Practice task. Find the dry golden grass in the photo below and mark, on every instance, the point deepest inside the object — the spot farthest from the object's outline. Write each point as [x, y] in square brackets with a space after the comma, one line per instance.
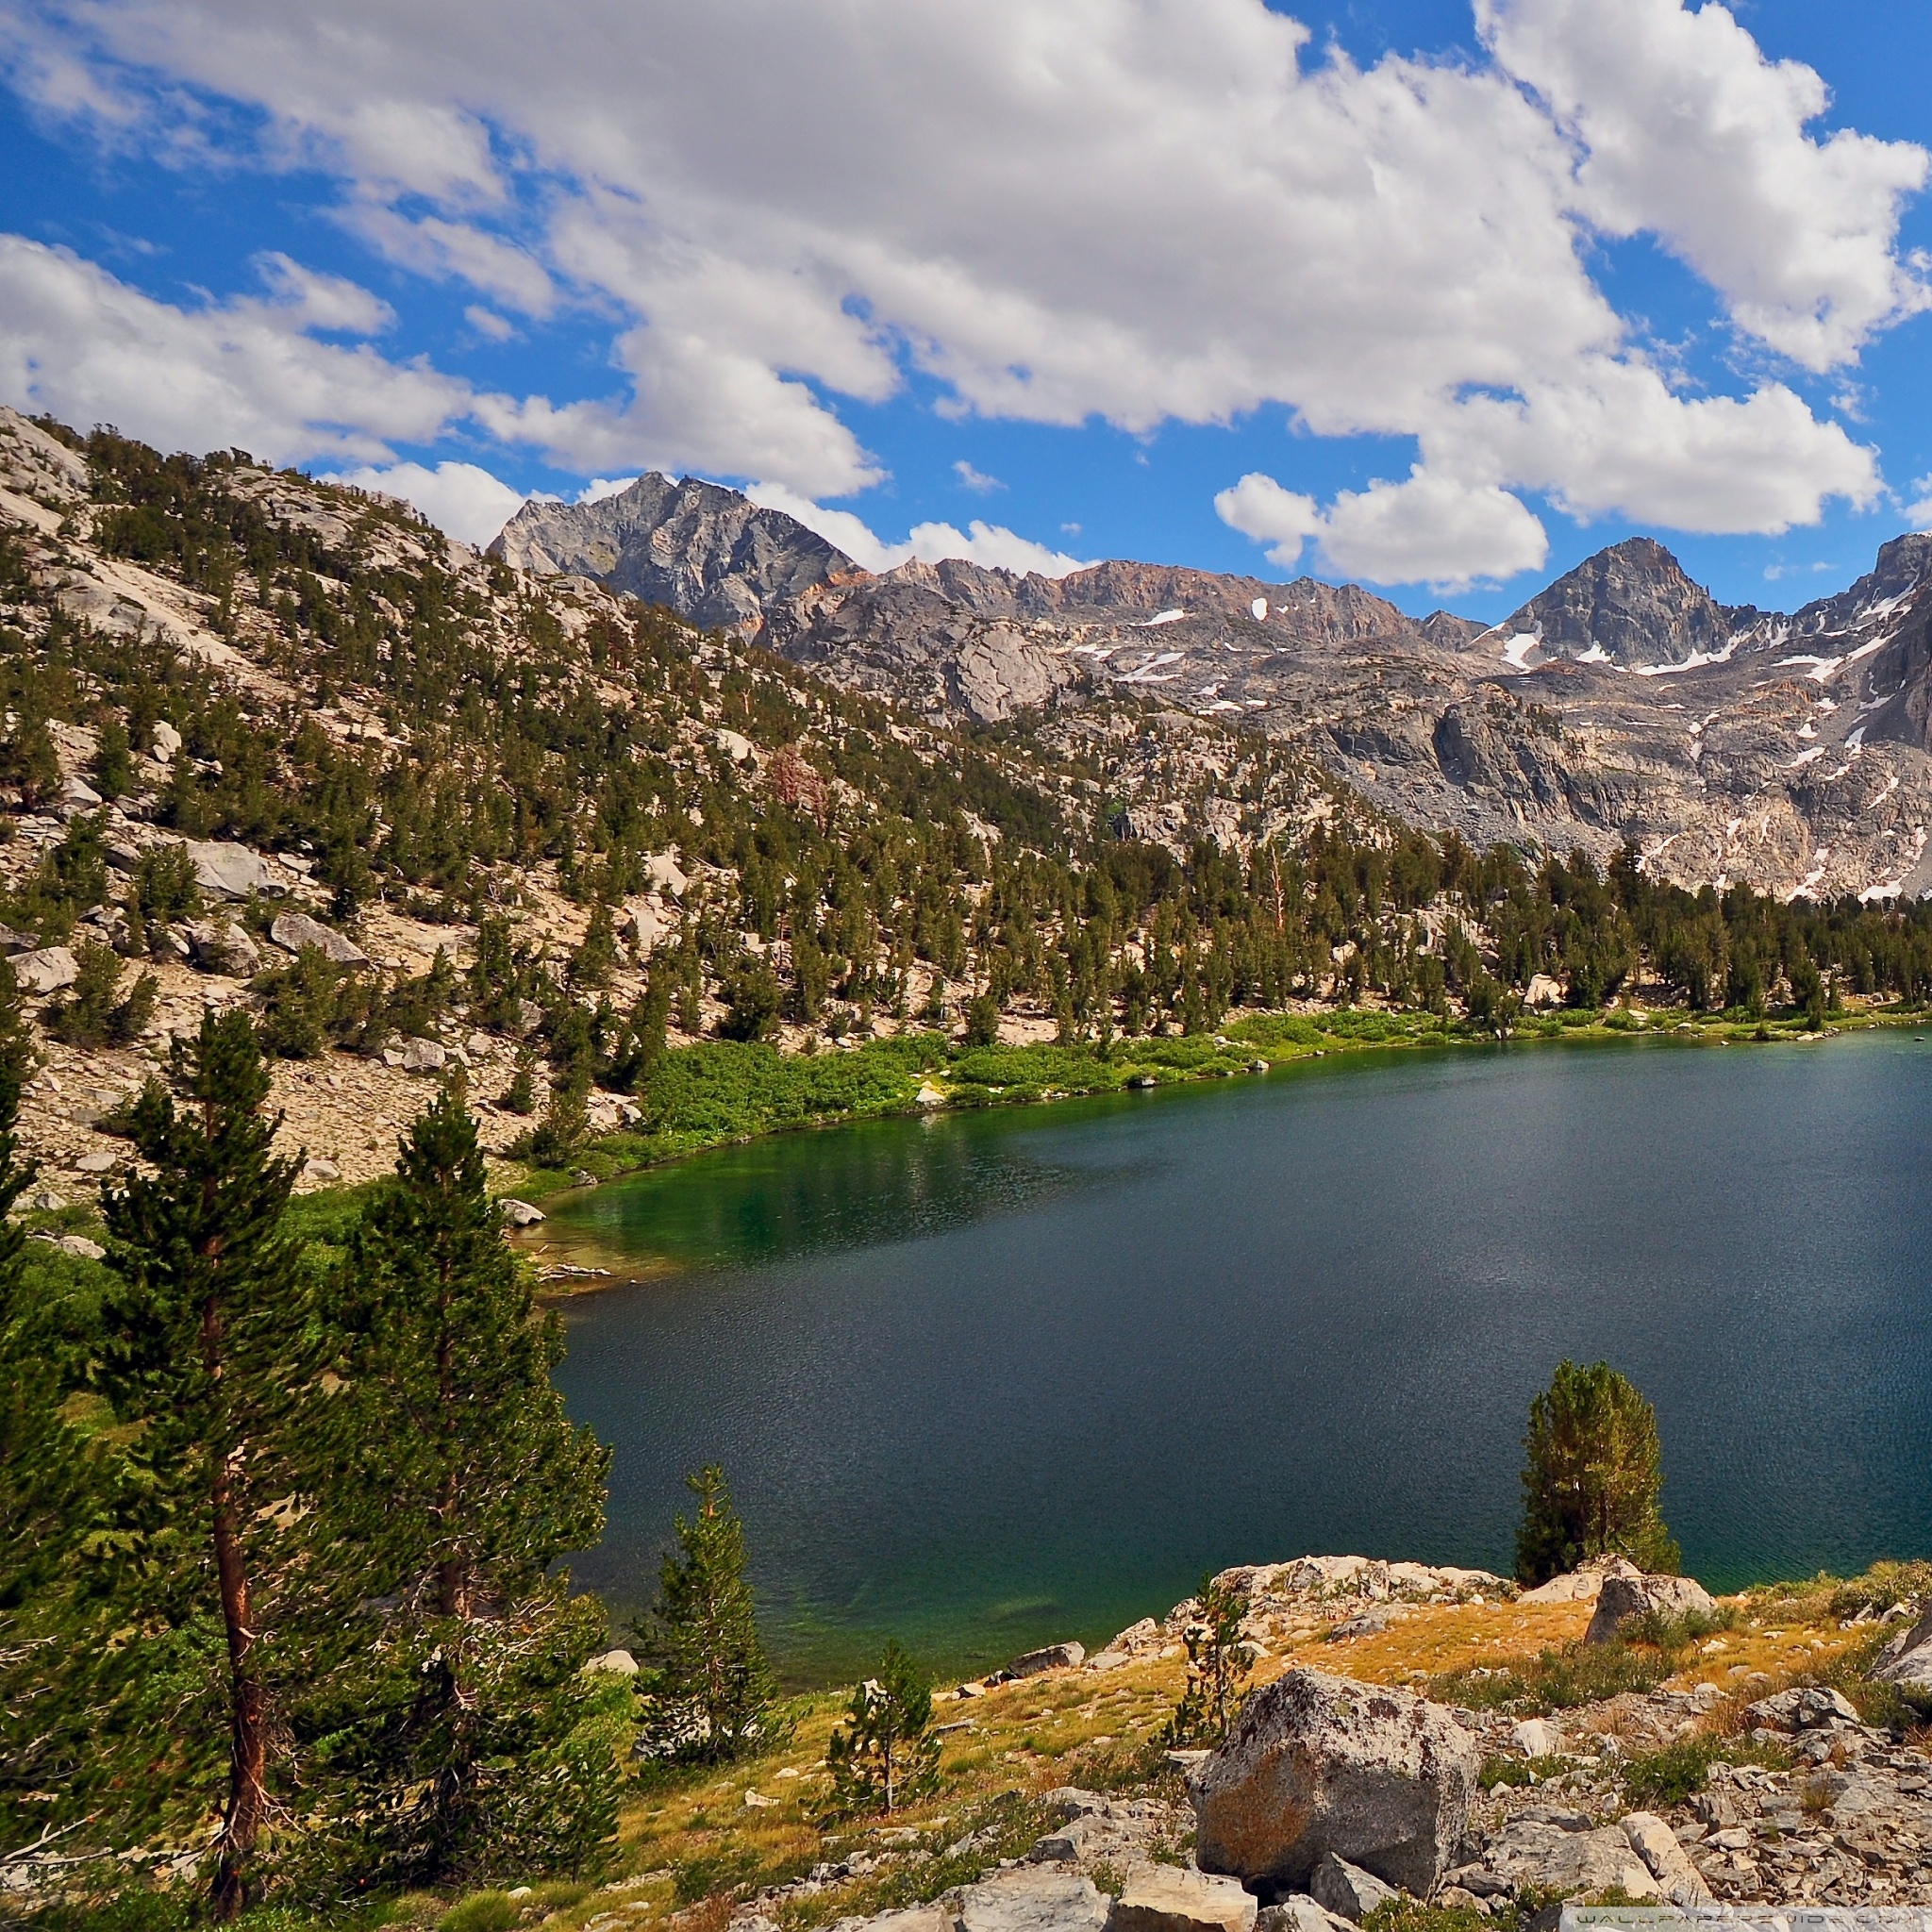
[1030, 1737]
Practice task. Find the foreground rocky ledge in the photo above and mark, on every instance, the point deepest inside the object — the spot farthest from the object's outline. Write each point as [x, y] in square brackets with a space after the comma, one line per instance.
[1335, 1796]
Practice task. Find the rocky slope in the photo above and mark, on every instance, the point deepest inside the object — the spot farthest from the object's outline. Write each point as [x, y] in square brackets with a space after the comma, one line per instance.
[1622, 703]
[323, 700]
[707, 553]
[1401, 1738]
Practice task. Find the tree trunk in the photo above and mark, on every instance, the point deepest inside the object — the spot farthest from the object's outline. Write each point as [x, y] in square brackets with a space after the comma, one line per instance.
[248, 1713]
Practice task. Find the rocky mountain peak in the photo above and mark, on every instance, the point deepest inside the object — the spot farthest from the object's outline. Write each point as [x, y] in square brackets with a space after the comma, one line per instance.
[1902, 566]
[1632, 604]
[708, 552]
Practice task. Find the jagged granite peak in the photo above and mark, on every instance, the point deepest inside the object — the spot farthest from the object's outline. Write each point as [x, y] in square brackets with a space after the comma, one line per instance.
[708, 552]
[1904, 565]
[1632, 604]
[716, 557]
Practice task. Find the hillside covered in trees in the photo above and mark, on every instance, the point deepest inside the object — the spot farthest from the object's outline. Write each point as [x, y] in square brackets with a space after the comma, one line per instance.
[275, 744]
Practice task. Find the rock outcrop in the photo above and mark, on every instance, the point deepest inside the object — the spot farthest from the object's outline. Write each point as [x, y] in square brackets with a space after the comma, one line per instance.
[1031, 1898]
[1624, 1598]
[708, 553]
[1172, 1898]
[293, 931]
[1906, 1660]
[1319, 1764]
[44, 970]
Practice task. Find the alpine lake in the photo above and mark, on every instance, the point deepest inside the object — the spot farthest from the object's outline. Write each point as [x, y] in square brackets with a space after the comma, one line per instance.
[986, 1380]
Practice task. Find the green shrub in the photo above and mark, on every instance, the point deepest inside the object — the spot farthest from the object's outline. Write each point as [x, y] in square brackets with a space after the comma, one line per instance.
[1411, 1915]
[1506, 1768]
[1661, 1778]
[1584, 1673]
[1673, 1636]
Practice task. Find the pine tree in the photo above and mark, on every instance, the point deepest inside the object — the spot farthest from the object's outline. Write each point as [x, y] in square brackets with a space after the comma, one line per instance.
[209, 1355]
[1219, 1664]
[1592, 1475]
[707, 1690]
[886, 1755]
[457, 1478]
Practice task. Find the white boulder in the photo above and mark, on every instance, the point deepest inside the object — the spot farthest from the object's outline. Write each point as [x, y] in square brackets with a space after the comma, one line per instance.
[1318, 1764]
[1624, 1598]
[46, 969]
[292, 931]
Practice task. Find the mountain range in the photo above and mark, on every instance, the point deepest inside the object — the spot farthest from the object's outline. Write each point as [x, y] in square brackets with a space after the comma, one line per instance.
[1622, 701]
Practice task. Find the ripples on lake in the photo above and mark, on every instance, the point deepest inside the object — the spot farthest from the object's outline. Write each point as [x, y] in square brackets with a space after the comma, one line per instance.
[990, 1380]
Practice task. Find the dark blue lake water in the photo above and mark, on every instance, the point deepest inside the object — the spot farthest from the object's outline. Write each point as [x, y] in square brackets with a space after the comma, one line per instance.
[992, 1379]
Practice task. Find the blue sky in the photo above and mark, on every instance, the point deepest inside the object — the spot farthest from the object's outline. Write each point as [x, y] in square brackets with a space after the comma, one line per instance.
[1462, 292]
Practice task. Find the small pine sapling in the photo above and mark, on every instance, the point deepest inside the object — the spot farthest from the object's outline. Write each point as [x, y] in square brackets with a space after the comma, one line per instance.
[885, 1756]
[1219, 1662]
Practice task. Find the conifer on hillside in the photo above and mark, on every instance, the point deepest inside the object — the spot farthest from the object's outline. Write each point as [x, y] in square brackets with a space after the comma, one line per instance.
[210, 1355]
[466, 1730]
[886, 1755]
[50, 1497]
[1592, 1473]
[707, 1690]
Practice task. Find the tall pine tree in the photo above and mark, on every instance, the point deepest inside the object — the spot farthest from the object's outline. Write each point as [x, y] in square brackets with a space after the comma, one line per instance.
[209, 1353]
[473, 1748]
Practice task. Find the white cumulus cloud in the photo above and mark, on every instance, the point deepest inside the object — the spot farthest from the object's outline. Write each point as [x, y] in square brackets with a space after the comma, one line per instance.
[244, 373]
[461, 499]
[1139, 211]
[991, 545]
[1689, 133]
[1428, 529]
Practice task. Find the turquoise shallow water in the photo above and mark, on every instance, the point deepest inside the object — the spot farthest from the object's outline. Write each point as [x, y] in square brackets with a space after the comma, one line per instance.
[997, 1378]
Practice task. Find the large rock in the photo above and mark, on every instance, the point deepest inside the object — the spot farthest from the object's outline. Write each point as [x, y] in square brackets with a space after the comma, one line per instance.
[1623, 1598]
[1905, 1661]
[1032, 1898]
[292, 931]
[1546, 1850]
[227, 870]
[1056, 1656]
[219, 945]
[46, 969]
[618, 1662]
[1319, 1763]
[1346, 1890]
[1171, 1898]
[418, 1056]
[1805, 1708]
[1583, 1585]
[1669, 1863]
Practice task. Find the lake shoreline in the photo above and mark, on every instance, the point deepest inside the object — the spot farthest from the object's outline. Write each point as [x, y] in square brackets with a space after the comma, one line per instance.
[582, 1268]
